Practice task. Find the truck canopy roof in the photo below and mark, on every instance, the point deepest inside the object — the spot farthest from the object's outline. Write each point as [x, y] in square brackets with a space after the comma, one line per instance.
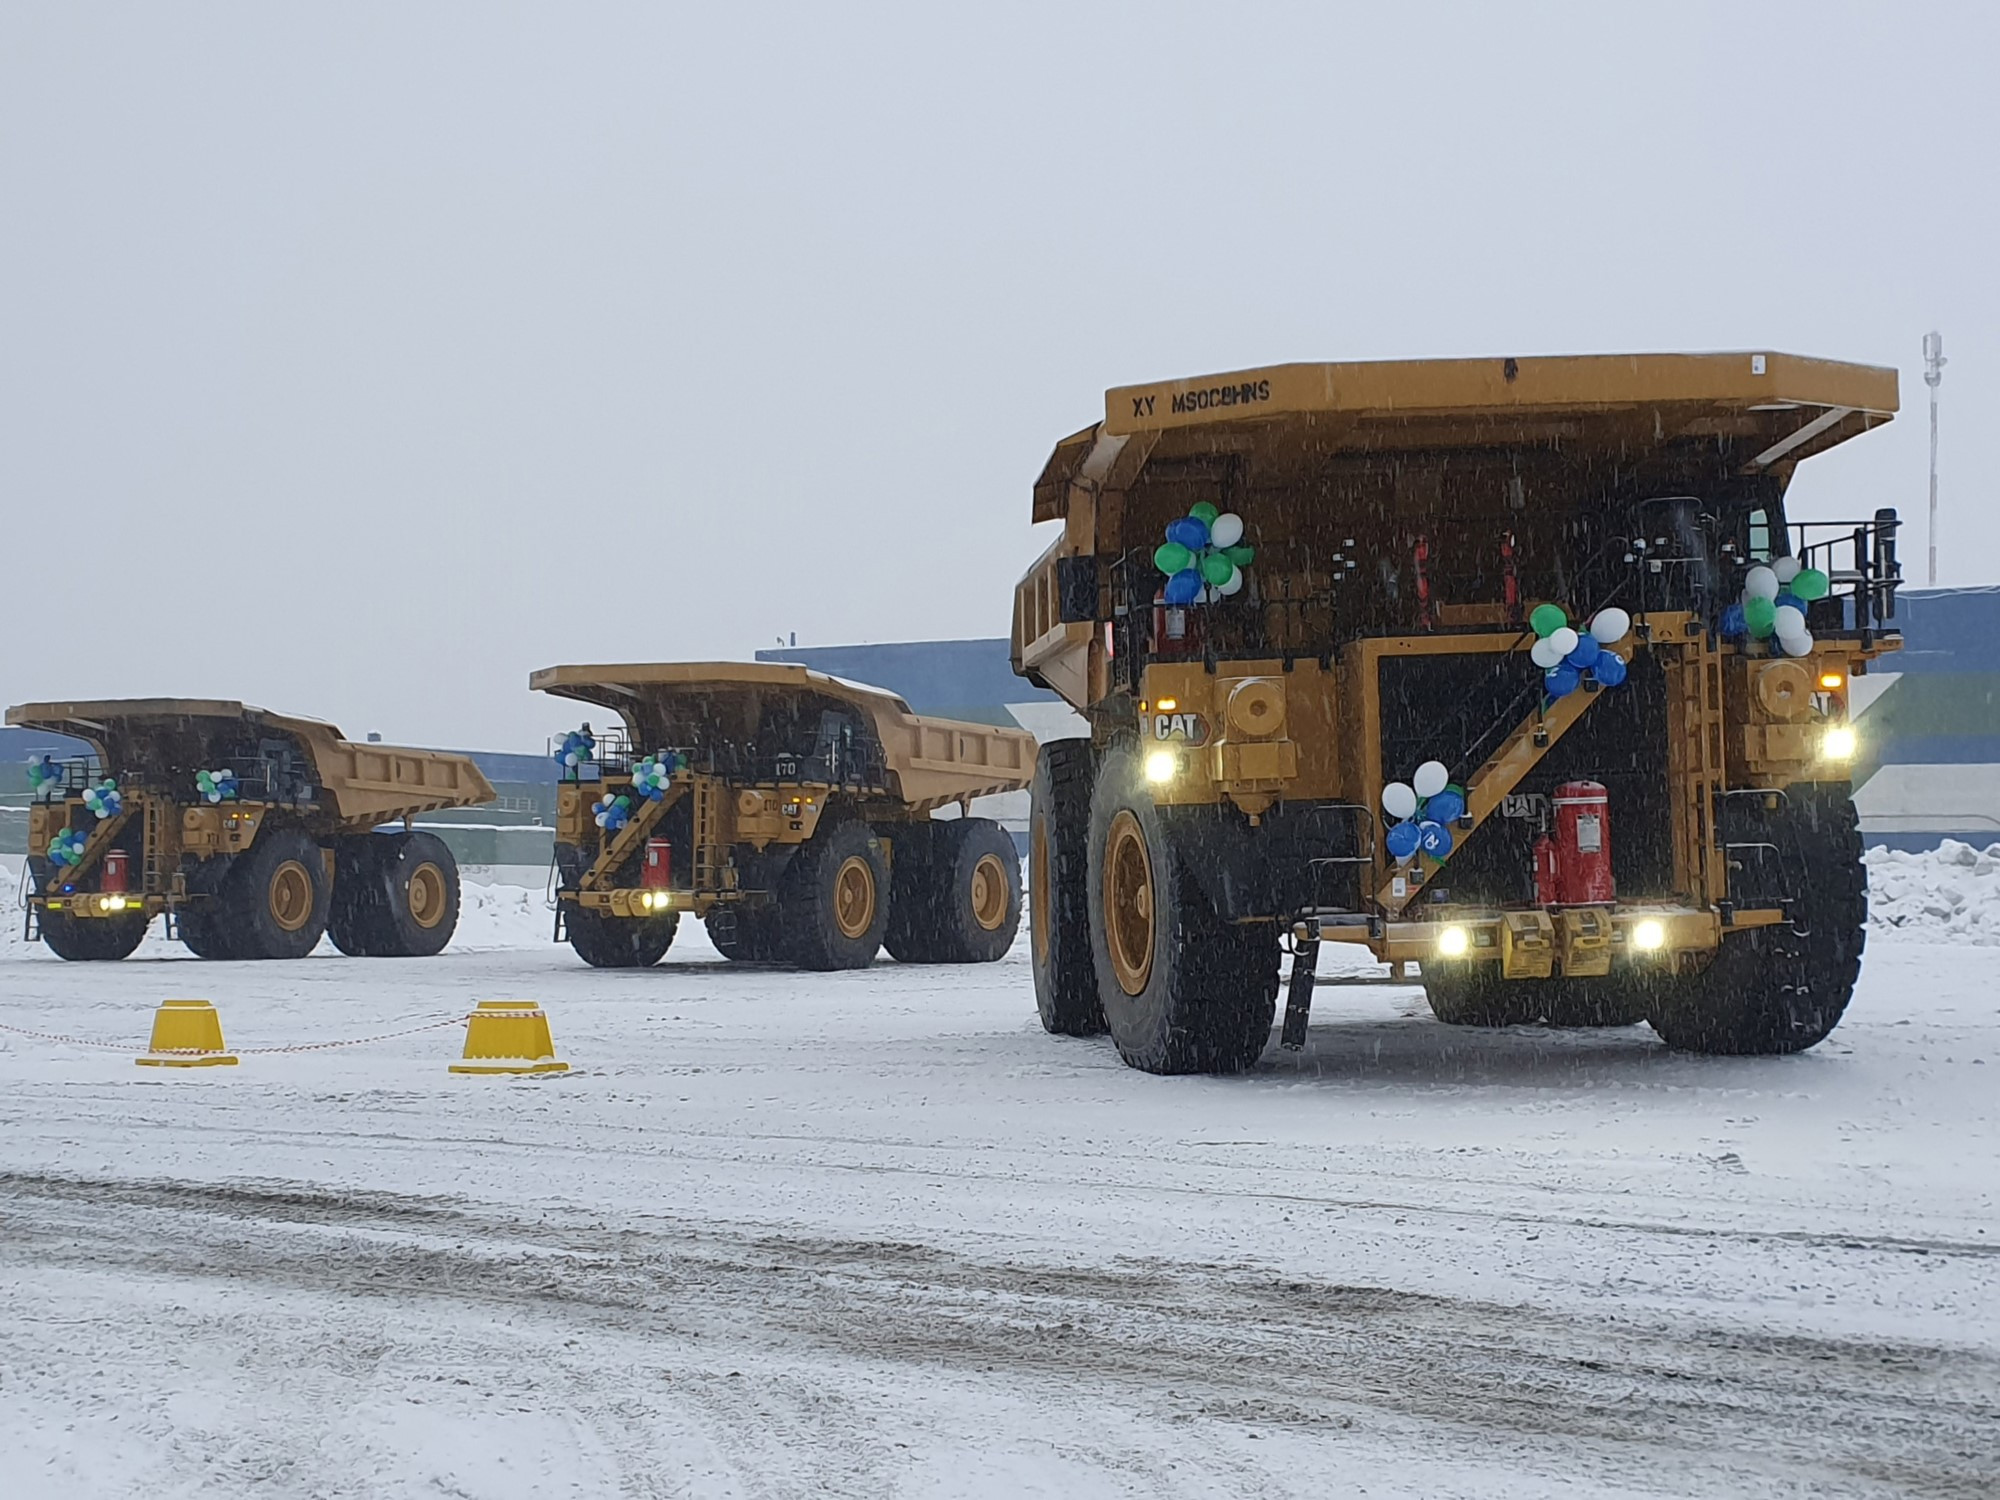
[1761, 412]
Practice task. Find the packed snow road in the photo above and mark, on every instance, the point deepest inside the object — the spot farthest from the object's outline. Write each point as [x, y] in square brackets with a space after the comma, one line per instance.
[876, 1234]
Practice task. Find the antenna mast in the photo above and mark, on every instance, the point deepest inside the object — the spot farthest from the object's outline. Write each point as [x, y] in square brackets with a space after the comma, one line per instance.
[1934, 363]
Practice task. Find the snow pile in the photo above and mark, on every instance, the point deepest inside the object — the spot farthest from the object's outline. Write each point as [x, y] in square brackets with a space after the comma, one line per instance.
[502, 916]
[1951, 892]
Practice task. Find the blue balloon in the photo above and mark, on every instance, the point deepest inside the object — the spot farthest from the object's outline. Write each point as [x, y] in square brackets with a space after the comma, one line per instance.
[1403, 839]
[1587, 649]
[1446, 807]
[1608, 669]
[1184, 587]
[1434, 839]
[1190, 531]
[1789, 598]
[1561, 680]
[1733, 626]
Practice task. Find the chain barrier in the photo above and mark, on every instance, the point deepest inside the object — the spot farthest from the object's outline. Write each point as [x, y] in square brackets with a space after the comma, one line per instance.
[456, 1018]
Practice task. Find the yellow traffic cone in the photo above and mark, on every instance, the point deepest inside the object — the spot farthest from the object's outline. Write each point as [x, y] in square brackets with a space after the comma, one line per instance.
[186, 1034]
[509, 1036]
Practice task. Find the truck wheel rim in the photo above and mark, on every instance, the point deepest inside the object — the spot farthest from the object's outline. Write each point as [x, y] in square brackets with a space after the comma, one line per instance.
[989, 892]
[427, 895]
[854, 897]
[291, 895]
[1039, 893]
[1128, 903]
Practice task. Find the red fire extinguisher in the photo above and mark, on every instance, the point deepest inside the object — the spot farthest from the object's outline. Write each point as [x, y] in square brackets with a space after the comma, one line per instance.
[115, 873]
[1176, 628]
[1583, 845]
[658, 873]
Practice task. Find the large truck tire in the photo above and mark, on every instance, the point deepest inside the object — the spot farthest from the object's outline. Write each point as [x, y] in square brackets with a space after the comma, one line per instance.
[274, 899]
[1183, 991]
[619, 942]
[354, 910]
[959, 902]
[92, 939]
[203, 931]
[1058, 890]
[1784, 988]
[834, 899]
[750, 936]
[421, 888]
[912, 933]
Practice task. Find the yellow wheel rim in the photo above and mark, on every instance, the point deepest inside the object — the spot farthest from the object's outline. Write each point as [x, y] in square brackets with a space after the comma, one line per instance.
[427, 895]
[989, 892]
[854, 897]
[1128, 903]
[291, 895]
[1039, 894]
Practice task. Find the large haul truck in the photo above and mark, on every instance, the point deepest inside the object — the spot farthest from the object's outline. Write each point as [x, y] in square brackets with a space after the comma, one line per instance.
[790, 811]
[252, 833]
[1516, 669]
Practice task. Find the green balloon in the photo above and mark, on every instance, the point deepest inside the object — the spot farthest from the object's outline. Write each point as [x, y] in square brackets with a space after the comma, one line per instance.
[1760, 616]
[1547, 620]
[1171, 557]
[1217, 569]
[1811, 584]
[624, 802]
[1241, 556]
[1203, 512]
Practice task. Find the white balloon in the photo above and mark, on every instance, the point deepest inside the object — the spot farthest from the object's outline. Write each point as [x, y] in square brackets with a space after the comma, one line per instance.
[1431, 778]
[1611, 626]
[1564, 640]
[1786, 568]
[1791, 621]
[1798, 645]
[1760, 583]
[1399, 800]
[1545, 654]
[1226, 530]
[1235, 584]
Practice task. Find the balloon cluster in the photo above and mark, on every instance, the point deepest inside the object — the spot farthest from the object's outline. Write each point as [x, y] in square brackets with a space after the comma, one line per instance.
[1424, 808]
[612, 812]
[216, 786]
[1203, 556]
[1564, 654]
[578, 750]
[651, 775]
[43, 773]
[66, 848]
[103, 799]
[1775, 596]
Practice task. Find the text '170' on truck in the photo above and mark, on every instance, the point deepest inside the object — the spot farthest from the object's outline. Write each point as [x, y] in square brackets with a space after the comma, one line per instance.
[789, 810]
[253, 833]
[1514, 668]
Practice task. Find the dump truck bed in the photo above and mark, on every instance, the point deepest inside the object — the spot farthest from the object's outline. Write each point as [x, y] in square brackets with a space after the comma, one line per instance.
[930, 762]
[364, 784]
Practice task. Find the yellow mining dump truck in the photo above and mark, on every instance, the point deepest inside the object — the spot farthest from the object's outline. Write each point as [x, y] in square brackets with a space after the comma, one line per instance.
[790, 810]
[1515, 668]
[253, 832]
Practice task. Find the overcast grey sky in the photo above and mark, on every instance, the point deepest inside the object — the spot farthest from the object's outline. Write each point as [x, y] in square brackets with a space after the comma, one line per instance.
[356, 359]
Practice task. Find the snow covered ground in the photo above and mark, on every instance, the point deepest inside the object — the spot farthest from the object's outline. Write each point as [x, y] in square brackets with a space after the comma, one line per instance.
[876, 1234]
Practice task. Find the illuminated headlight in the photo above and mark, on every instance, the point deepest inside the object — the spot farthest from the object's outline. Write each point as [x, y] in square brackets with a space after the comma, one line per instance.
[1649, 936]
[114, 903]
[1162, 765]
[656, 900]
[1453, 942]
[1839, 742]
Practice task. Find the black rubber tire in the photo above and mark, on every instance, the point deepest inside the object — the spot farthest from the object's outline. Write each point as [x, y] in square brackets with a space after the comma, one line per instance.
[1058, 890]
[619, 942]
[968, 855]
[1208, 989]
[808, 902]
[911, 934]
[92, 939]
[1782, 989]
[249, 925]
[420, 888]
[752, 938]
[1474, 994]
[202, 931]
[353, 914]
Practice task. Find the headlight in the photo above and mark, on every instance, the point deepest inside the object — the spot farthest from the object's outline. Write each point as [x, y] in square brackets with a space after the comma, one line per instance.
[1839, 742]
[1650, 935]
[114, 903]
[1453, 942]
[1162, 765]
